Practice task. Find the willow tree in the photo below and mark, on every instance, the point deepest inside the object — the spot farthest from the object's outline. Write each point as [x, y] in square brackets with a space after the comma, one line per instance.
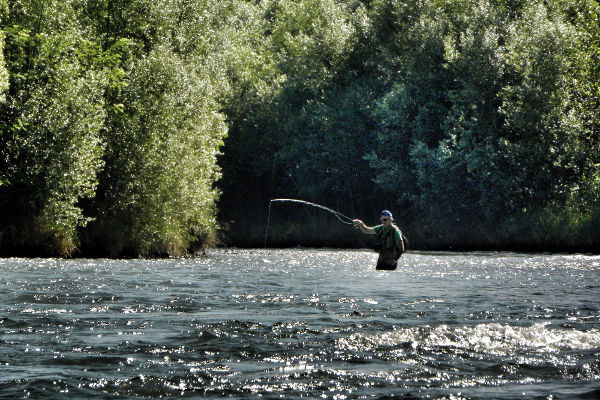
[164, 130]
[50, 126]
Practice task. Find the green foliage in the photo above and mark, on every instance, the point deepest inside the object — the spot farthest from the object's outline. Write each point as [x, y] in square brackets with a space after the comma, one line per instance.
[584, 16]
[157, 190]
[161, 159]
[485, 127]
[319, 121]
[322, 133]
[477, 121]
[51, 121]
[113, 116]
[3, 70]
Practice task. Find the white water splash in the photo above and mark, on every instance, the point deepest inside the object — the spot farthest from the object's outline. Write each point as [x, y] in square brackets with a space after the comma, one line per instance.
[491, 338]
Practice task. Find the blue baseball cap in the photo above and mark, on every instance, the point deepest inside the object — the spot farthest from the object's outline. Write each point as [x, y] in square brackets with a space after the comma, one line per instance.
[386, 213]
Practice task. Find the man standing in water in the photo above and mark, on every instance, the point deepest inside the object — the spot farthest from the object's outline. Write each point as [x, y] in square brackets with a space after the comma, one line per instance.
[389, 240]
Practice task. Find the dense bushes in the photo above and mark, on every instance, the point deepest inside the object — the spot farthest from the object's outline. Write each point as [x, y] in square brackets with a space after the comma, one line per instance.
[111, 126]
[476, 122]
[50, 131]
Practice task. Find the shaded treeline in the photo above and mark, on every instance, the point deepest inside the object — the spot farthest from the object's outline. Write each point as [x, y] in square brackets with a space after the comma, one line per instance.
[475, 122]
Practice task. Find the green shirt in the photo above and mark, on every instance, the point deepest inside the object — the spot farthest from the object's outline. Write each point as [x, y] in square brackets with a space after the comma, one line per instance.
[397, 234]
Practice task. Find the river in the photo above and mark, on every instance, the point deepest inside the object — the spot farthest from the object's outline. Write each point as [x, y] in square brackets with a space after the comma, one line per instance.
[302, 323]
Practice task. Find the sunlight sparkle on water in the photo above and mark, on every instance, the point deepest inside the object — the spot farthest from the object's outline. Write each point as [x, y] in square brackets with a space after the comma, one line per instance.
[302, 323]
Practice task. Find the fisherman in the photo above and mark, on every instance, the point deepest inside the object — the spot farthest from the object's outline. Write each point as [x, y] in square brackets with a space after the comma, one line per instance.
[389, 242]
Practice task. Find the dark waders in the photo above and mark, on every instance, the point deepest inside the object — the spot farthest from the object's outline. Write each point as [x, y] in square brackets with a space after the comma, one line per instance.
[388, 252]
[387, 260]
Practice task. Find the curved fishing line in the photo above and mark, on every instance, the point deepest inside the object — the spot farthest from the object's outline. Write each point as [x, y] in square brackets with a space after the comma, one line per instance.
[341, 217]
[344, 219]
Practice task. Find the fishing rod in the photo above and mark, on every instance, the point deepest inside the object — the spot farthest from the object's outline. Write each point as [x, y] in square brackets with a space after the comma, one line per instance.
[341, 217]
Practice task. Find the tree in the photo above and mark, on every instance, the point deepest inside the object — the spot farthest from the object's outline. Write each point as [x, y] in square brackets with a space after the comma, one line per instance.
[3, 71]
[50, 127]
[156, 194]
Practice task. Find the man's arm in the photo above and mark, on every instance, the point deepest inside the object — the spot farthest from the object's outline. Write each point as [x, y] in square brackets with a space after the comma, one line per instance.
[365, 229]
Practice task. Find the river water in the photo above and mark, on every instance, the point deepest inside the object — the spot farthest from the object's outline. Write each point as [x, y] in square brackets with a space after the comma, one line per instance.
[302, 323]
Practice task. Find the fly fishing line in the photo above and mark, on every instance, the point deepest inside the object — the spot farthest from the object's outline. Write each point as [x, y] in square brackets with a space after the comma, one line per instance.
[341, 217]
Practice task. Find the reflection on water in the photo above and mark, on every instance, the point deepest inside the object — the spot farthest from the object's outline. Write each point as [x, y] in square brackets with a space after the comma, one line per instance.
[293, 323]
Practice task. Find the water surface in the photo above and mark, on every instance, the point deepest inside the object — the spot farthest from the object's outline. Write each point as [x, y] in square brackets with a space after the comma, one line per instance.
[302, 323]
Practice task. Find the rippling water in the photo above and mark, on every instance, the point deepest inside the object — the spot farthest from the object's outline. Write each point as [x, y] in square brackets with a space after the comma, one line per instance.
[302, 323]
